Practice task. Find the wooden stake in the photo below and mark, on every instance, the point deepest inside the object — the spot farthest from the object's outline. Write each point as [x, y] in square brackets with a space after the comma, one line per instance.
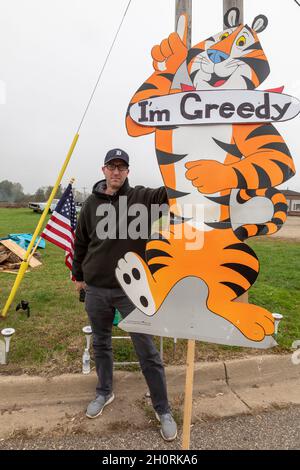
[34, 249]
[185, 7]
[188, 396]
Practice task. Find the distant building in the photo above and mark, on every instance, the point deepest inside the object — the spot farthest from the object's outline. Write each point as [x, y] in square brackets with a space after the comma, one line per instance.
[293, 200]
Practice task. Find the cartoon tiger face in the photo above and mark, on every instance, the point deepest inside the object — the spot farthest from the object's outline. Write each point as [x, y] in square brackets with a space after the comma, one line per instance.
[231, 59]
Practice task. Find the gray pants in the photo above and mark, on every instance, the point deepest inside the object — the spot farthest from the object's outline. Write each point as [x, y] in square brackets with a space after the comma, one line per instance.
[100, 305]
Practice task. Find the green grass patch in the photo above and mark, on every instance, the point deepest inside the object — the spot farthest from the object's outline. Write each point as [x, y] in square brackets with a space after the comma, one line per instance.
[278, 284]
[51, 341]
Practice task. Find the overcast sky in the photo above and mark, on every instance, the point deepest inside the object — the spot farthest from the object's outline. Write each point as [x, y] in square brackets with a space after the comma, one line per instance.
[51, 52]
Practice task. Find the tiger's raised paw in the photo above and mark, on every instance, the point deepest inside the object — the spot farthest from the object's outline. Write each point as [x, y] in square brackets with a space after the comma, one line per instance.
[131, 272]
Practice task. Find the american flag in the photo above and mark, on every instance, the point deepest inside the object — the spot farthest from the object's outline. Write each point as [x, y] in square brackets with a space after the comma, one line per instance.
[61, 226]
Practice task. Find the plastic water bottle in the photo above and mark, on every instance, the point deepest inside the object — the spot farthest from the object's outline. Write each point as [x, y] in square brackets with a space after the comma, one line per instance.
[86, 367]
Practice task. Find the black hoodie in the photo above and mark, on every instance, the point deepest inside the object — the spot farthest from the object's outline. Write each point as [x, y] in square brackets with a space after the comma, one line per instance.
[95, 259]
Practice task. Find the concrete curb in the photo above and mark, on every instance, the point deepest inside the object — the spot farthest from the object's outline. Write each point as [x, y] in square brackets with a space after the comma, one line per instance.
[221, 389]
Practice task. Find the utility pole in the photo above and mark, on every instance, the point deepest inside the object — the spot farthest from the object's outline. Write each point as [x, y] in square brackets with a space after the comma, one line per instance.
[84, 193]
[185, 7]
[227, 4]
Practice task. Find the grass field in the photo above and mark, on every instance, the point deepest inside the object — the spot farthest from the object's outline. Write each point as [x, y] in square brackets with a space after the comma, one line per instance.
[50, 341]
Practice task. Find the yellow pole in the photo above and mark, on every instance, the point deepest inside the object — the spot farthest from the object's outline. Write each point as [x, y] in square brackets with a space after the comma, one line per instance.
[24, 264]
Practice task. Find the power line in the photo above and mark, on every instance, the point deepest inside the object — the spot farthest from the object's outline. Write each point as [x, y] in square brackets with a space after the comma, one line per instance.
[103, 67]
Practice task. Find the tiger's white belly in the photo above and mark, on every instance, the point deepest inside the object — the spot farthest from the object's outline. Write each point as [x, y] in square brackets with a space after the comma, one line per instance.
[197, 142]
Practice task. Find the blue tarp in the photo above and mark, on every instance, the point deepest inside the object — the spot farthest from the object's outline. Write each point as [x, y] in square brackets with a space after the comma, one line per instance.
[23, 239]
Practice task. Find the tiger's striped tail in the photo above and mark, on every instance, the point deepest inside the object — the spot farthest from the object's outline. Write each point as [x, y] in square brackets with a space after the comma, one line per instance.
[268, 228]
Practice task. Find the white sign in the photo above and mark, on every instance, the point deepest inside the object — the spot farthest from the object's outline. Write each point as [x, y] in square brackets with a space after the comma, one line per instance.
[198, 322]
[215, 107]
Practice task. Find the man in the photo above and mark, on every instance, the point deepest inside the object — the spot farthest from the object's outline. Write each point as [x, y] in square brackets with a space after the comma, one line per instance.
[97, 252]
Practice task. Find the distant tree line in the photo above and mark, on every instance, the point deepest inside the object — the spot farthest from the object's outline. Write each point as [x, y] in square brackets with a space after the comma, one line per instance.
[13, 192]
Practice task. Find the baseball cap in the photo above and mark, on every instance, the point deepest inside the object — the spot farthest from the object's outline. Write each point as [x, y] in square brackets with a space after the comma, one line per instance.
[116, 153]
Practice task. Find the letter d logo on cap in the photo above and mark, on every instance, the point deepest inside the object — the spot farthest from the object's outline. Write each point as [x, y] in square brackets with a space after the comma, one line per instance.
[118, 152]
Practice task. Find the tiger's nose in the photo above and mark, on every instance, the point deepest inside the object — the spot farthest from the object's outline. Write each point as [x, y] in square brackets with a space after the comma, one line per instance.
[216, 56]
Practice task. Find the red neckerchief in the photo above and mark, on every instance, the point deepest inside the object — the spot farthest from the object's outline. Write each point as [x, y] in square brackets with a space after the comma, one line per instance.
[185, 87]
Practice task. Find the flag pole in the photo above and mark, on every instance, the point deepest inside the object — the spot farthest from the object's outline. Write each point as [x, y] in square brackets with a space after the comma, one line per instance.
[25, 262]
[72, 181]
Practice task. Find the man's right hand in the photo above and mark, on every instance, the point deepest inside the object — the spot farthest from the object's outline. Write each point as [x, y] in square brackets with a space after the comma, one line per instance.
[80, 285]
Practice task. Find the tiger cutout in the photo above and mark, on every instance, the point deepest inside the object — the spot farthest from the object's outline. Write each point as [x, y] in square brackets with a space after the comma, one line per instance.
[240, 162]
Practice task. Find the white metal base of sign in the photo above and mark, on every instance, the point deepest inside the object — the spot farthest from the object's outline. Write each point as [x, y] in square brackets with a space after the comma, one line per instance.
[182, 316]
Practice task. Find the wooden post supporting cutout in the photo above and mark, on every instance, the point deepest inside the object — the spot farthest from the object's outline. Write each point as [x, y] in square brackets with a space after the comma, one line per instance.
[185, 6]
[188, 395]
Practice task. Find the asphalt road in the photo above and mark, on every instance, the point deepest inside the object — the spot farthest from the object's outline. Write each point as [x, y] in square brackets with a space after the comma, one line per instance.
[277, 429]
